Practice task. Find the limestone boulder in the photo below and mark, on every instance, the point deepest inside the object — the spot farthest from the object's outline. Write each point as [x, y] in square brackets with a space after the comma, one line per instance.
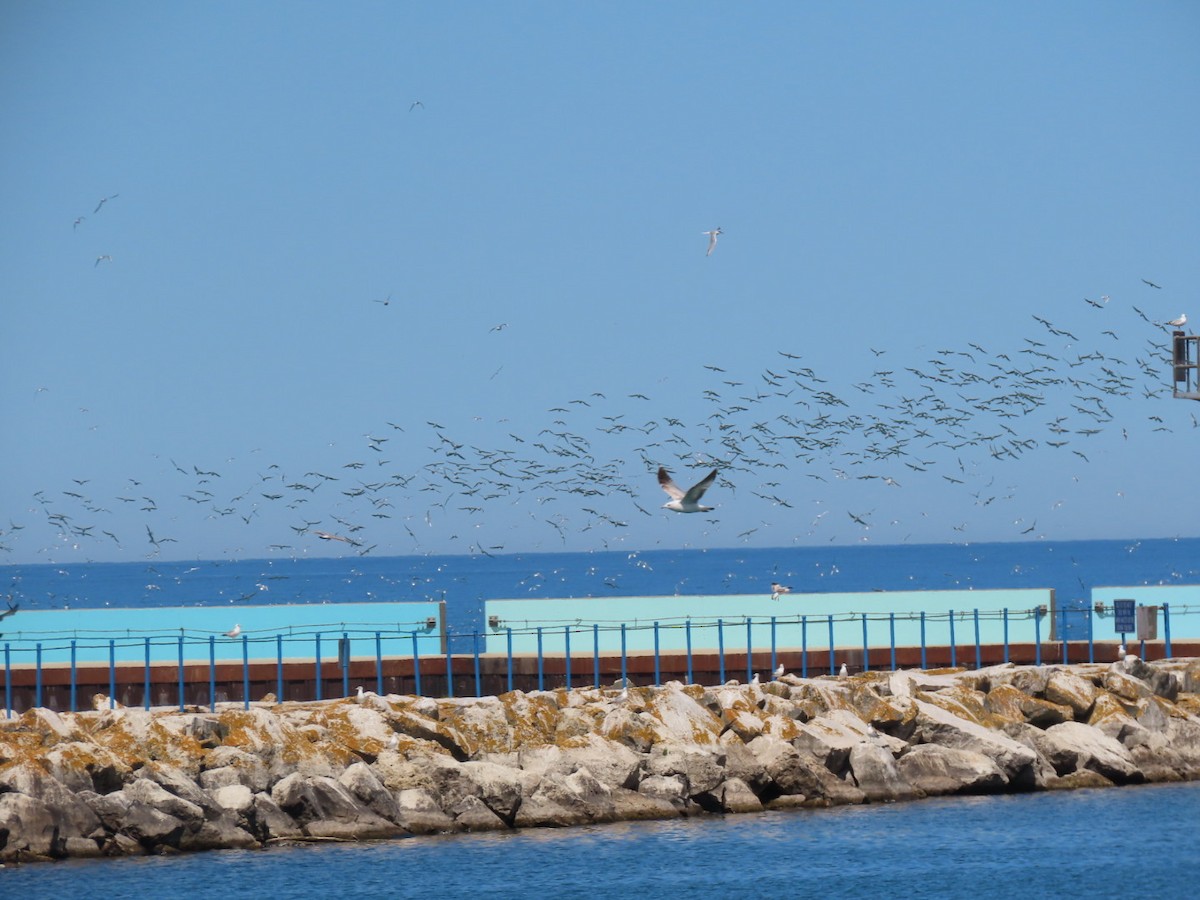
[875, 772]
[1073, 746]
[935, 725]
[420, 813]
[702, 767]
[1160, 681]
[936, 770]
[1068, 689]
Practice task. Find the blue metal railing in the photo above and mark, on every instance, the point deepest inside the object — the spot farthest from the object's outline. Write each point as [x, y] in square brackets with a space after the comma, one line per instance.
[38, 651]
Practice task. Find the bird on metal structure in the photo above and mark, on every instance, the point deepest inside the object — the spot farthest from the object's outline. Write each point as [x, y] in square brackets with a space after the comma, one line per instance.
[1180, 322]
[234, 631]
[712, 239]
[685, 501]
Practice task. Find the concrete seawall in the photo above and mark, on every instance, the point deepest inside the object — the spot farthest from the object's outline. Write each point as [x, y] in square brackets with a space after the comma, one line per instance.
[130, 781]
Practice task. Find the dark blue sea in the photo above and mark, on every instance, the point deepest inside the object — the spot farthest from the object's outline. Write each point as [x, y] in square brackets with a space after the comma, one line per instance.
[1071, 568]
[1077, 844]
[1114, 842]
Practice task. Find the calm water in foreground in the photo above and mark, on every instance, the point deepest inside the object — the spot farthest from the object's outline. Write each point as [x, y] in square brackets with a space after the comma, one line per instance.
[1132, 841]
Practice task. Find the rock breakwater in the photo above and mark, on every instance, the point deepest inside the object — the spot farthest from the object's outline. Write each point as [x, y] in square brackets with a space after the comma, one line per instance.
[130, 781]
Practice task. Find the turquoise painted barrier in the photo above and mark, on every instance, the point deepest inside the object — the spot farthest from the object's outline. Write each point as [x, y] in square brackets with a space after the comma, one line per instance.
[735, 621]
[127, 635]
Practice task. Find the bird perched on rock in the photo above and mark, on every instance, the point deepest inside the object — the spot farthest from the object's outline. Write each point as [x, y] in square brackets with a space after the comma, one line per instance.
[778, 590]
[685, 501]
[779, 670]
[843, 672]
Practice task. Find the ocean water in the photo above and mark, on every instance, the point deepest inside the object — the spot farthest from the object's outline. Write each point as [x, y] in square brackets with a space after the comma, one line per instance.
[1128, 841]
[1071, 568]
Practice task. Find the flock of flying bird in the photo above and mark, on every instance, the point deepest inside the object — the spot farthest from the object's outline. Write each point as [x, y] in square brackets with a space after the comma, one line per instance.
[784, 434]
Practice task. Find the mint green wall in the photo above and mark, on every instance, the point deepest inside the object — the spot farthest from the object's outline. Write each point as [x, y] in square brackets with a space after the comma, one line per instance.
[640, 613]
[92, 629]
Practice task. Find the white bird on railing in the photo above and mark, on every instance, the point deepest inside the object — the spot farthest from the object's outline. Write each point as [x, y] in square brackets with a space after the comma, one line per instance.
[234, 631]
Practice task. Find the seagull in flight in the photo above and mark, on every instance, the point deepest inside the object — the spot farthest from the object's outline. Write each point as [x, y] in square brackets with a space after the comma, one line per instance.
[234, 631]
[415, 104]
[1180, 322]
[104, 200]
[685, 501]
[778, 590]
[712, 239]
[1152, 284]
[326, 536]
[100, 259]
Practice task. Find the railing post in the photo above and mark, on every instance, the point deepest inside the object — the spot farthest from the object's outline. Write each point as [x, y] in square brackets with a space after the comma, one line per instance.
[182, 688]
[804, 646]
[74, 704]
[687, 635]
[1091, 639]
[212, 673]
[1166, 608]
[245, 671]
[37, 692]
[978, 649]
[567, 653]
[344, 662]
[774, 665]
[450, 665]
[596, 654]
[8, 710]
[279, 698]
[721, 650]
[1006, 634]
[417, 664]
[379, 664]
[478, 674]
[624, 677]
[866, 646]
[749, 653]
[1037, 636]
[112, 674]
[320, 687]
[541, 675]
[832, 660]
[924, 659]
[508, 632]
[146, 686]
[657, 668]
[1062, 630]
[892, 637]
[953, 644]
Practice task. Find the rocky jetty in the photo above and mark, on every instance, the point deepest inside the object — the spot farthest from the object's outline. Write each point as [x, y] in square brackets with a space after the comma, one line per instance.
[131, 781]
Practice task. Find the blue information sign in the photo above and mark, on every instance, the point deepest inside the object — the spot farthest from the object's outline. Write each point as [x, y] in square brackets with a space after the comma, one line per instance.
[1123, 616]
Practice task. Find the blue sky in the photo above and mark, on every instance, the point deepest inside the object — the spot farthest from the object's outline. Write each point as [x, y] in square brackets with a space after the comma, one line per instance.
[894, 182]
